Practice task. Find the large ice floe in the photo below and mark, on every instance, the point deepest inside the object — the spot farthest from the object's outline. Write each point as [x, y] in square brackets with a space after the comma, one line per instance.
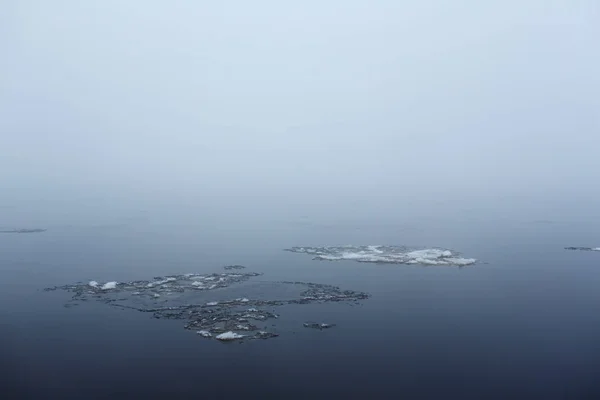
[223, 306]
[583, 248]
[386, 254]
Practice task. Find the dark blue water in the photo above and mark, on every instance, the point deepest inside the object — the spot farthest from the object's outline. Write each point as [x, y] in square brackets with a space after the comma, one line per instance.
[525, 323]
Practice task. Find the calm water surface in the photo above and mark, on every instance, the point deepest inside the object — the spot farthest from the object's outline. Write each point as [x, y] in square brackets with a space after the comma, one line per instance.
[525, 323]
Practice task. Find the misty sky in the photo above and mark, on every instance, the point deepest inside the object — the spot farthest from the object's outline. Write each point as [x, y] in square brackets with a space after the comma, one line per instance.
[356, 104]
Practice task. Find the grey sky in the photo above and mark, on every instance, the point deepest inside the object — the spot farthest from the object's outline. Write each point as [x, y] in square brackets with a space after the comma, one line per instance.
[391, 102]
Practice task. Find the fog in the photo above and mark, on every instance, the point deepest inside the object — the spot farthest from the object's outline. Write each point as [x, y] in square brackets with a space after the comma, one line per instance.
[268, 109]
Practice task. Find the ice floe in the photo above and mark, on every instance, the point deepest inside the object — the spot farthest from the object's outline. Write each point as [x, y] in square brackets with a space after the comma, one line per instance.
[583, 248]
[212, 313]
[386, 254]
[36, 230]
[234, 267]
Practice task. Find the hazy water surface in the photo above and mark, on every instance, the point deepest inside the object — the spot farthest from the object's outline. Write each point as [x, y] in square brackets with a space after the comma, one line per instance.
[525, 321]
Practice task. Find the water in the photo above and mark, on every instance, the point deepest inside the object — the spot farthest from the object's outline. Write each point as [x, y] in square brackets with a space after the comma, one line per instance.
[523, 323]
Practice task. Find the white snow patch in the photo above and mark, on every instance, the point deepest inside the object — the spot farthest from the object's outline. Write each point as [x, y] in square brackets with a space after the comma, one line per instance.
[229, 336]
[243, 300]
[93, 284]
[109, 285]
[252, 310]
[596, 249]
[212, 303]
[205, 334]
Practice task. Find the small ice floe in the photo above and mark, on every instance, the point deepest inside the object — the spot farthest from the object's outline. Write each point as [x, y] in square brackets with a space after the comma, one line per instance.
[315, 325]
[156, 295]
[212, 287]
[242, 300]
[583, 248]
[205, 334]
[37, 230]
[252, 310]
[109, 285]
[93, 284]
[212, 303]
[234, 267]
[198, 284]
[227, 336]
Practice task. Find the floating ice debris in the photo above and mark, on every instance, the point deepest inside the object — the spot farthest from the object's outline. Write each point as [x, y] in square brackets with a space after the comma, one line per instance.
[24, 231]
[93, 284]
[315, 325]
[243, 327]
[265, 335]
[205, 334]
[583, 248]
[218, 315]
[386, 254]
[109, 286]
[234, 267]
[229, 336]
[161, 282]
